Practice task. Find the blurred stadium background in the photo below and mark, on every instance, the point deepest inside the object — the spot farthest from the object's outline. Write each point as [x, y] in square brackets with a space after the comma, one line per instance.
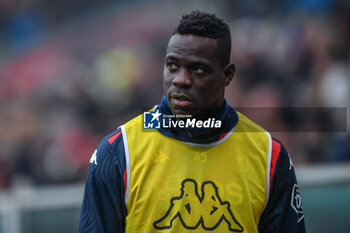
[72, 71]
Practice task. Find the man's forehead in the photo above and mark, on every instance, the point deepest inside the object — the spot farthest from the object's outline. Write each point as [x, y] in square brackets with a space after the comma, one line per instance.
[189, 45]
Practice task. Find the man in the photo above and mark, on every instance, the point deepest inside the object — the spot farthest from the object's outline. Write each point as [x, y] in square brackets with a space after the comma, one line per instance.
[215, 171]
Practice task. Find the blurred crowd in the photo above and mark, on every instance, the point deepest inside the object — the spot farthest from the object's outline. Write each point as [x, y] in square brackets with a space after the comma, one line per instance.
[73, 71]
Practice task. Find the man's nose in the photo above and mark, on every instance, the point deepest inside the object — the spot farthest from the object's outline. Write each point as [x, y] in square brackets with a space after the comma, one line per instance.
[182, 79]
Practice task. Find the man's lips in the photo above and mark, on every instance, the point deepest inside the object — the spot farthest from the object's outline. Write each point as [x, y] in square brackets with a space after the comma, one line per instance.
[180, 100]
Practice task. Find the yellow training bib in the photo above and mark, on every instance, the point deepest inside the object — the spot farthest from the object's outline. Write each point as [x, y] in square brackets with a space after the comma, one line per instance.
[174, 186]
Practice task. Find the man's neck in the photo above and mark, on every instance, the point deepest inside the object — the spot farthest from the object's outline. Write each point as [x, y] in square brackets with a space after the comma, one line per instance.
[226, 114]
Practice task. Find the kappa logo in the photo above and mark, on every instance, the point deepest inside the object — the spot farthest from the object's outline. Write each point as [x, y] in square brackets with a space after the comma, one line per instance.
[94, 158]
[194, 210]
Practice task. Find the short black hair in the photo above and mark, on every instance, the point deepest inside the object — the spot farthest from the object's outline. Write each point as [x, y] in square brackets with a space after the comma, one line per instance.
[207, 25]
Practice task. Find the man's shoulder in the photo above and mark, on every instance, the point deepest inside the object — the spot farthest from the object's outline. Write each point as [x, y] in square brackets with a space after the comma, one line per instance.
[108, 139]
[110, 142]
[141, 123]
[246, 125]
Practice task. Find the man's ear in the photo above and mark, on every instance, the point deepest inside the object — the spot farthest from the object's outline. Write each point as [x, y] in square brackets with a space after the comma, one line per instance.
[229, 71]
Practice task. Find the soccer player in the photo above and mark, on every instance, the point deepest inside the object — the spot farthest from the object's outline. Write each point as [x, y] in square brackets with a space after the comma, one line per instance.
[192, 175]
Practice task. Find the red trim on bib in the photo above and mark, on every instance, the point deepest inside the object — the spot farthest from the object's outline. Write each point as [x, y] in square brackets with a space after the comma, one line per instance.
[124, 176]
[222, 135]
[112, 139]
[276, 149]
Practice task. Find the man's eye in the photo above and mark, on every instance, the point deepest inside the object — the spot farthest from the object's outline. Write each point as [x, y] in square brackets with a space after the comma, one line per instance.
[172, 66]
[199, 70]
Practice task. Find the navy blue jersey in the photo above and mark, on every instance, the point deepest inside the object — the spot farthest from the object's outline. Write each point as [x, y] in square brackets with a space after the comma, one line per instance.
[104, 205]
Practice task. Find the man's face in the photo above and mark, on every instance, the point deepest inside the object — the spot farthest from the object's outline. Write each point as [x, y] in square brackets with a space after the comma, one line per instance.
[193, 76]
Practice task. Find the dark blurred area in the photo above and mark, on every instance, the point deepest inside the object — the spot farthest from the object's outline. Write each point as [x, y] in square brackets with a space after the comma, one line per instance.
[73, 71]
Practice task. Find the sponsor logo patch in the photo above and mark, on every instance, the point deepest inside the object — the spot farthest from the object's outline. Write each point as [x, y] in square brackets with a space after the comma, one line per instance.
[296, 203]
